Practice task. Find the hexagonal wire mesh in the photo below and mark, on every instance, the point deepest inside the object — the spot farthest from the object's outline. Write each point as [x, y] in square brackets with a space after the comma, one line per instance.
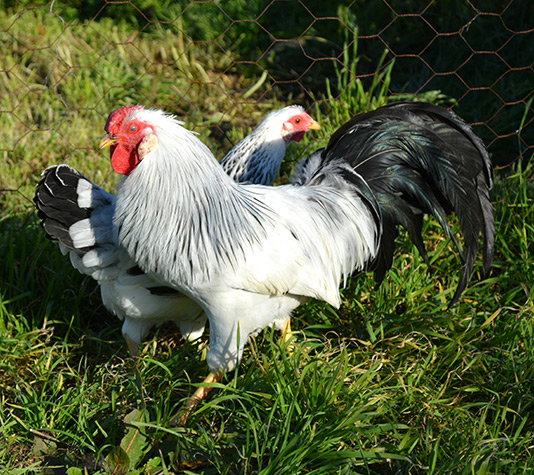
[64, 66]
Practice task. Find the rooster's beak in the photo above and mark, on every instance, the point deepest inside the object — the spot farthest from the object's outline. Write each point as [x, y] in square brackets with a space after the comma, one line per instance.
[314, 125]
[108, 140]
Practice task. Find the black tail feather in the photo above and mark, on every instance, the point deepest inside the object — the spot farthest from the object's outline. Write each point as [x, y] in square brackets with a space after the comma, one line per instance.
[56, 198]
[419, 159]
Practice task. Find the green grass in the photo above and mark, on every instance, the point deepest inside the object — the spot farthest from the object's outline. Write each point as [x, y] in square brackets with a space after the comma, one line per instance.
[393, 382]
[59, 82]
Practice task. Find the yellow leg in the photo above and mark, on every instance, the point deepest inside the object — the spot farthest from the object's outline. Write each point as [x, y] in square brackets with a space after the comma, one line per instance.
[198, 395]
[287, 334]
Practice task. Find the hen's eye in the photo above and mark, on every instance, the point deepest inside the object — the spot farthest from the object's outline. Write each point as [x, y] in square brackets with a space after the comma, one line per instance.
[132, 128]
[297, 121]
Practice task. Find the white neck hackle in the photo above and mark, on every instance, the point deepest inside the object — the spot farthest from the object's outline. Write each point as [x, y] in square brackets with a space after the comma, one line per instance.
[257, 157]
[179, 198]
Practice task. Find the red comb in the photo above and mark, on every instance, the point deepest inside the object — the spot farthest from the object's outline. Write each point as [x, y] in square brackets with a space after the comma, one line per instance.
[118, 115]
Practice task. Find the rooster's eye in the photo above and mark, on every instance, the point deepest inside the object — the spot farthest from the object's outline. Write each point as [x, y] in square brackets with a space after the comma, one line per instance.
[132, 128]
[297, 121]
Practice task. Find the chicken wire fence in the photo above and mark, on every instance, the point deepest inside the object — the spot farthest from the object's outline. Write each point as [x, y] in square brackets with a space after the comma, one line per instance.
[212, 59]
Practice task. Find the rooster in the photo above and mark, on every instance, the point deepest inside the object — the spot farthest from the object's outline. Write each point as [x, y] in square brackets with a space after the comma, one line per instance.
[250, 254]
[79, 216]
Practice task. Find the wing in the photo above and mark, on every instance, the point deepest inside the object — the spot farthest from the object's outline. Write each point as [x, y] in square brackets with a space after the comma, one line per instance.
[314, 237]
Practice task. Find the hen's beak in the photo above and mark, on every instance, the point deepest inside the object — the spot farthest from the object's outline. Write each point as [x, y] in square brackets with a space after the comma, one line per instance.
[108, 140]
[314, 125]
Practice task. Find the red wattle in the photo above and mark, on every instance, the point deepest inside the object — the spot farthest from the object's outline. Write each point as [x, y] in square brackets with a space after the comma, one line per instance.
[123, 160]
[297, 137]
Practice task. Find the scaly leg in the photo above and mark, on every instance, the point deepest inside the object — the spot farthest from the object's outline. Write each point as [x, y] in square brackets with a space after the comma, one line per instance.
[198, 395]
[287, 334]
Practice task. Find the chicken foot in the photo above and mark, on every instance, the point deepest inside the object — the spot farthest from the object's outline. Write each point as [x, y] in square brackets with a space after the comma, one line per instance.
[196, 397]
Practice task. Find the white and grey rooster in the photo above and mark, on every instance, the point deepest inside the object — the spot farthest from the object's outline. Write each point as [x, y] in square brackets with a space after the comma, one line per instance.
[79, 216]
[250, 254]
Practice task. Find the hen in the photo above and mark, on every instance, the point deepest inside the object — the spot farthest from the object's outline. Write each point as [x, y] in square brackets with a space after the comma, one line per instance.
[249, 254]
[78, 215]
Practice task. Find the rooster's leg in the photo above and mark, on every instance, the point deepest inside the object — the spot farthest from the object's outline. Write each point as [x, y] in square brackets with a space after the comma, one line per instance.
[198, 395]
[287, 335]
